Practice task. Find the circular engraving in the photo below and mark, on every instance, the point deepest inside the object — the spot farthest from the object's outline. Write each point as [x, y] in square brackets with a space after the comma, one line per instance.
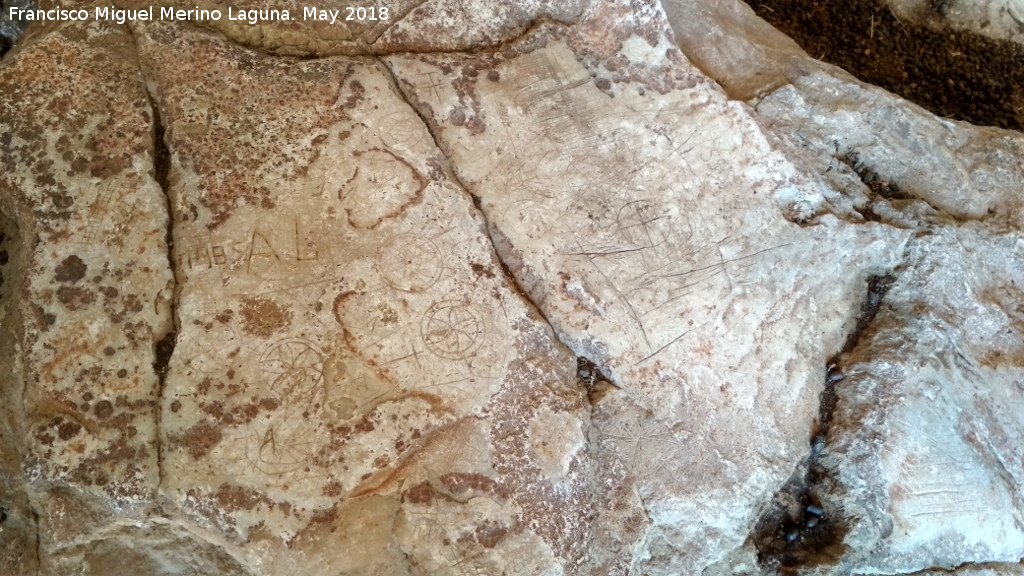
[409, 262]
[451, 329]
[644, 223]
[295, 368]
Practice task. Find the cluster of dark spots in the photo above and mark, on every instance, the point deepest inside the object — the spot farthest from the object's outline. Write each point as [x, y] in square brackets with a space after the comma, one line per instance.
[263, 318]
[199, 439]
[233, 498]
[954, 74]
[96, 469]
[70, 269]
[75, 297]
[481, 270]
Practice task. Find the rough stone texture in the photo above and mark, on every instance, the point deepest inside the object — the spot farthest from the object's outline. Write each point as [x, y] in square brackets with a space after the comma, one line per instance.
[999, 19]
[392, 26]
[630, 238]
[352, 365]
[929, 422]
[86, 283]
[790, 303]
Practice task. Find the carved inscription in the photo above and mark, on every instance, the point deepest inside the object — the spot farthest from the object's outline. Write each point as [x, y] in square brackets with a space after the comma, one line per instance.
[257, 251]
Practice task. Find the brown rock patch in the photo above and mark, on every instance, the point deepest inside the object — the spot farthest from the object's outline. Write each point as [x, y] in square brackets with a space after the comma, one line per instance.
[262, 317]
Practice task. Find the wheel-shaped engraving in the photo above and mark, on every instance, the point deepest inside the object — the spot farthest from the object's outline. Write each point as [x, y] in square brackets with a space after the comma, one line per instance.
[294, 367]
[409, 262]
[451, 329]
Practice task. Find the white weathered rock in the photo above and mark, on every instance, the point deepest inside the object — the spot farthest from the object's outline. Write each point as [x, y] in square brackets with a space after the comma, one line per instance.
[921, 456]
[998, 19]
[641, 211]
[925, 444]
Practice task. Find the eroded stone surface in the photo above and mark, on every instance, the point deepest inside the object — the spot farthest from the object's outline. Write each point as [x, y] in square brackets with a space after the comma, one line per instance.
[86, 286]
[617, 206]
[358, 387]
[928, 425]
[927, 408]
[334, 27]
[352, 366]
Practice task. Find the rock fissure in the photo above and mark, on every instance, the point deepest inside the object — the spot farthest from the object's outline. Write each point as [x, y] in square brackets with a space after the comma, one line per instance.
[509, 276]
[804, 525]
[883, 190]
[37, 548]
[164, 346]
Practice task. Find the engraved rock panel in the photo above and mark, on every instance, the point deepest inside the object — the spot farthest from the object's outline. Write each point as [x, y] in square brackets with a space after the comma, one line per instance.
[353, 369]
[346, 28]
[644, 214]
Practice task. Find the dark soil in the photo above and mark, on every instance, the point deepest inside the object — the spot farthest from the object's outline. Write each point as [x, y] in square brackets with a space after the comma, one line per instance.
[952, 73]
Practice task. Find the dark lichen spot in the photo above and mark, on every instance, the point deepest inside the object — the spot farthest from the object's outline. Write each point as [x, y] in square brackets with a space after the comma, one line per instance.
[67, 429]
[201, 438]
[163, 351]
[71, 269]
[482, 270]
[263, 318]
[104, 409]
[74, 297]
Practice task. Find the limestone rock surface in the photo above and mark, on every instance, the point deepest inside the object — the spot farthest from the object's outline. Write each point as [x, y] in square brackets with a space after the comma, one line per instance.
[999, 19]
[605, 287]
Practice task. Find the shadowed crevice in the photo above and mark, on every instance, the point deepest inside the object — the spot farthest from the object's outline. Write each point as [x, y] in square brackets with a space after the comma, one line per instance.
[164, 344]
[804, 526]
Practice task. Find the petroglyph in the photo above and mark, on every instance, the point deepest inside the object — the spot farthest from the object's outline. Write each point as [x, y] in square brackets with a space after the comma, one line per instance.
[451, 329]
[409, 262]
